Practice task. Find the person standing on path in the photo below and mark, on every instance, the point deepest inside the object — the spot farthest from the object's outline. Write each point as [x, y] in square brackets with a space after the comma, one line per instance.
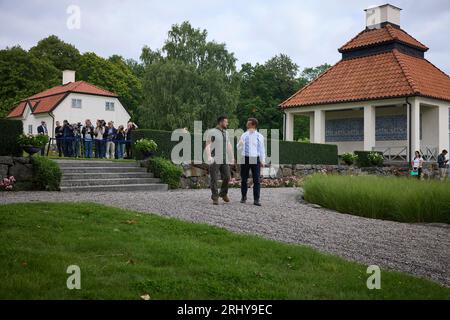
[253, 153]
[219, 152]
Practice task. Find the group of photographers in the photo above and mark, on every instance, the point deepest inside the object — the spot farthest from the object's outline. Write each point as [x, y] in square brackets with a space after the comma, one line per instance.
[102, 141]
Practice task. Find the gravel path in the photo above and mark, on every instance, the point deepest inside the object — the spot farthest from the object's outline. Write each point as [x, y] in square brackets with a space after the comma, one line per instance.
[423, 250]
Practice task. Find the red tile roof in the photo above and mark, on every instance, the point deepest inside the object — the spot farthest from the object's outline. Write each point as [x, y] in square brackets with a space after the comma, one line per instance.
[386, 75]
[47, 100]
[370, 37]
[78, 87]
[18, 110]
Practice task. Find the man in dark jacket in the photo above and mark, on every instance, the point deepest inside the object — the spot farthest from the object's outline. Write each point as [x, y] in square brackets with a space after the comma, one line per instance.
[59, 138]
[42, 130]
[442, 164]
[68, 139]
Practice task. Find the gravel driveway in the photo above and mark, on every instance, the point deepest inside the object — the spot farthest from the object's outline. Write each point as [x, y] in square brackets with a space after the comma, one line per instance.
[423, 250]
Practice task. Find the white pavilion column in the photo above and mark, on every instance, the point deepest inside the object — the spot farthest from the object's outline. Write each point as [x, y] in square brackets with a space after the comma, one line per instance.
[289, 126]
[319, 126]
[311, 127]
[415, 125]
[443, 128]
[369, 127]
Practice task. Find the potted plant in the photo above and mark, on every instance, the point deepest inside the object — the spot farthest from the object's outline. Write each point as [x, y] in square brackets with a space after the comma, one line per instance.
[349, 158]
[32, 144]
[146, 146]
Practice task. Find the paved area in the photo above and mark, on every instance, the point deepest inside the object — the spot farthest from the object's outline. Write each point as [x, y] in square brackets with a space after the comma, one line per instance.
[423, 250]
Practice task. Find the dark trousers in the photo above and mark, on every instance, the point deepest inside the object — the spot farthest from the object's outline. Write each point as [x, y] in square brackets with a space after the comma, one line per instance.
[225, 175]
[98, 148]
[128, 148]
[68, 147]
[253, 165]
[60, 146]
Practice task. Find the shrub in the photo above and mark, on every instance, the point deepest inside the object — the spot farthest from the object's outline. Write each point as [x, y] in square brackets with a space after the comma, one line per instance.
[144, 145]
[375, 158]
[290, 152]
[46, 174]
[349, 158]
[167, 171]
[379, 197]
[9, 145]
[364, 160]
[38, 141]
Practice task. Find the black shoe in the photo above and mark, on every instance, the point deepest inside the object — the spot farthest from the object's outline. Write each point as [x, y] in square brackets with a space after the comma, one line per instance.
[243, 199]
[257, 203]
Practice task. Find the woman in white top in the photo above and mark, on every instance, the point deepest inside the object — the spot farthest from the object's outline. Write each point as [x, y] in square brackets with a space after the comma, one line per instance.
[417, 164]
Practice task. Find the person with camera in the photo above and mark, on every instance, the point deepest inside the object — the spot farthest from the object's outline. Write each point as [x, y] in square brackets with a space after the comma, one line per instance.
[88, 137]
[68, 137]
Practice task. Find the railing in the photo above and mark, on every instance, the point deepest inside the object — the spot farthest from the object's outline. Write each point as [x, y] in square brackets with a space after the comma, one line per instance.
[52, 144]
[430, 153]
[393, 154]
[400, 154]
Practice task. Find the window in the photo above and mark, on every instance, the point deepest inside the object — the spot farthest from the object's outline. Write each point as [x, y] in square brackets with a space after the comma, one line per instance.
[30, 129]
[109, 106]
[76, 103]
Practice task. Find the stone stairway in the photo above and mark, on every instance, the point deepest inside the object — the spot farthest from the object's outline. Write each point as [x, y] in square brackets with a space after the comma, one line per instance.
[105, 176]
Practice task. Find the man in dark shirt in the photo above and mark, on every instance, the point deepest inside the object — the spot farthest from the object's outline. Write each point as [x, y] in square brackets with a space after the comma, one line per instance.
[68, 139]
[220, 155]
[42, 130]
[443, 164]
[59, 138]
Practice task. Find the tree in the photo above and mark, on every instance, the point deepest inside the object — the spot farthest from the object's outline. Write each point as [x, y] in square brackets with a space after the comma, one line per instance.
[112, 74]
[189, 78]
[263, 88]
[22, 75]
[62, 55]
[301, 123]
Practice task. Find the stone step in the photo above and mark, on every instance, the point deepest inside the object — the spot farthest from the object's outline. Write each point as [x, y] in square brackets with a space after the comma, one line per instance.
[94, 170]
[107, 175]
[94, 163]
[106, 182]
[123, 187]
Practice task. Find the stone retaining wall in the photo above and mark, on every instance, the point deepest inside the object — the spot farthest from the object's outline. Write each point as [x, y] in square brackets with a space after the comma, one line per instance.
[20, 168]
[196, 175]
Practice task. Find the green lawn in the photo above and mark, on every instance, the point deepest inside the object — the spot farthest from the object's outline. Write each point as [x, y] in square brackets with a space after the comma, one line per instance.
[125, 254]
[389, 198]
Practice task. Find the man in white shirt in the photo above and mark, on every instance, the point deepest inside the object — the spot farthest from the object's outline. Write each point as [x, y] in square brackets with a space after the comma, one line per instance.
[252, 150]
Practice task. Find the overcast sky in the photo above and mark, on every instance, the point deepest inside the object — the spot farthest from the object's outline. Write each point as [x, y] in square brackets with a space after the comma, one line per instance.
[308, 31]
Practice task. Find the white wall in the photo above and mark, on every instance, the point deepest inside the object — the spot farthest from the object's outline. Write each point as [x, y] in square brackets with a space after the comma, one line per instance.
[35, 121]
[93, 108]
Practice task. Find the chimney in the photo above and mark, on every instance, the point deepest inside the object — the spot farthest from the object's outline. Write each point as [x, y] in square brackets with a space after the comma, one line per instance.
[378, 16]
[68, 76]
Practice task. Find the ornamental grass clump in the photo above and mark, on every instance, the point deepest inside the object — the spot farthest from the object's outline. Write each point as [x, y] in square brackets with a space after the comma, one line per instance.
[388, 198]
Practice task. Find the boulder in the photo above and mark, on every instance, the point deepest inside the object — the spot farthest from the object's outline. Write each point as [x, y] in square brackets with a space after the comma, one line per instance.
[3, 171]
[21, 172]
[6, 161]
[194, 172]
[22, 160]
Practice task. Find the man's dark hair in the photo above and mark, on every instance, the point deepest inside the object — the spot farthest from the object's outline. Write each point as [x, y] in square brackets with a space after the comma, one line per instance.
[444, 151]
[221, 118]
[254, 121]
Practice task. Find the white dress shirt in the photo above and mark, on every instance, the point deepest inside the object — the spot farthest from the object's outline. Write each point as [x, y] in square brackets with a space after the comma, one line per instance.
[251, 144]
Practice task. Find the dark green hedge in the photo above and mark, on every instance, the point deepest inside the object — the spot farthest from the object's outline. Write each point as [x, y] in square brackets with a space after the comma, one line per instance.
[11, 130]
[363, 160]
[290, 152]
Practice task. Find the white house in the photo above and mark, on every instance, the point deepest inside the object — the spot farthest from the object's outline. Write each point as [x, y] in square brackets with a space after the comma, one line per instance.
[383, 95]
[74, 101]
